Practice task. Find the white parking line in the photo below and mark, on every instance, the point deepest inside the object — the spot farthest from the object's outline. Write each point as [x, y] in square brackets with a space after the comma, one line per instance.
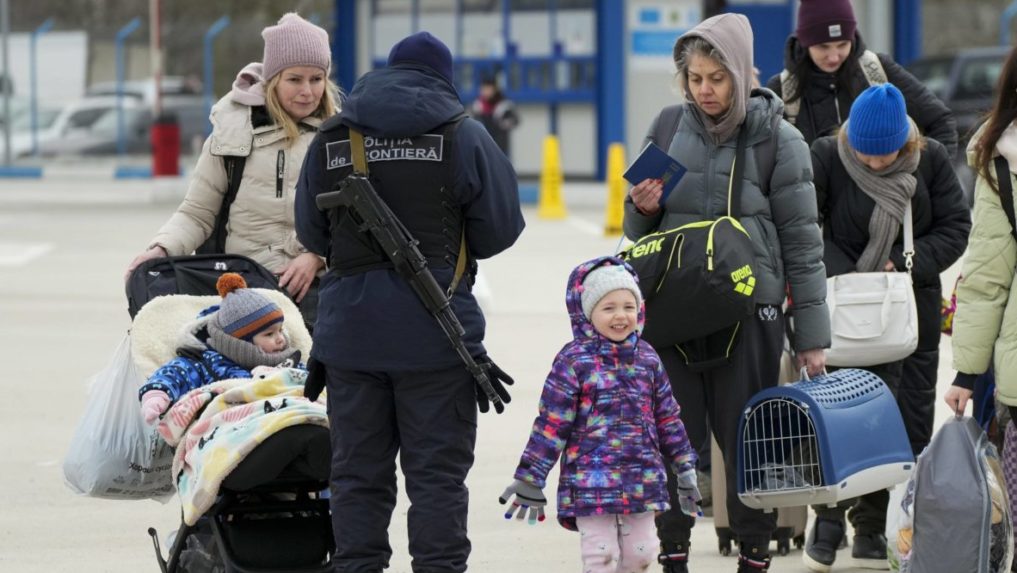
[20, 254]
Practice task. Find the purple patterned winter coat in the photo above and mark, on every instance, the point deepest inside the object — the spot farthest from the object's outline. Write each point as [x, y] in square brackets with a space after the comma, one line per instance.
[608, 412]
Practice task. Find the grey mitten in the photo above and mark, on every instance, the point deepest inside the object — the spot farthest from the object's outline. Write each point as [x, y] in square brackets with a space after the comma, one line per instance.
[689, 497]
[527, 496]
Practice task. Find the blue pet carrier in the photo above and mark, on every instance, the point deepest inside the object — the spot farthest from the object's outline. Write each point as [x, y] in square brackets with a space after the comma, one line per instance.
[820, 441]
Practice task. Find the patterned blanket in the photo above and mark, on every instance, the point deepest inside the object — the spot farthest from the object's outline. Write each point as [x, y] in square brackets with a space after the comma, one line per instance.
[214, 427]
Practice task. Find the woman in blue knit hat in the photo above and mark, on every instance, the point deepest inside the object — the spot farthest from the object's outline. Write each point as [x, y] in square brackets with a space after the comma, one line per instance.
[865, 176]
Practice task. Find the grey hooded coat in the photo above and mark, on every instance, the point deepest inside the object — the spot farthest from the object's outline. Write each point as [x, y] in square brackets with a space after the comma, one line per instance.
[783, 224]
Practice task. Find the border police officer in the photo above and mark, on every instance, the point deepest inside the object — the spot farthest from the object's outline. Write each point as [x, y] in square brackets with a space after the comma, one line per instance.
[395, 384]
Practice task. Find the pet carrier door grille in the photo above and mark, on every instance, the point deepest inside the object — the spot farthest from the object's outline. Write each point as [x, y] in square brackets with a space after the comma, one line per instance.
[780, 448]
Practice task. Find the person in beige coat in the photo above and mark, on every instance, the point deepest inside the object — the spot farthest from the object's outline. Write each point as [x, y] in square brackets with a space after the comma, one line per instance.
[985, 326]
[270, 117]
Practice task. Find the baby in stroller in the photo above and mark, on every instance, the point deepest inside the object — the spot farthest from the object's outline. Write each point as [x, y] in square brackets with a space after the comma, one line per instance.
[251, 454]
[227, 341]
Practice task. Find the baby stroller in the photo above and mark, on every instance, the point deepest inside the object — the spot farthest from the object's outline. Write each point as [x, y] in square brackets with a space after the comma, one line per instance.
[268, 513]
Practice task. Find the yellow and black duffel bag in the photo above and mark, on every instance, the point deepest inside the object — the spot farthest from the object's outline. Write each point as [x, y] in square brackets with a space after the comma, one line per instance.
[698, 278]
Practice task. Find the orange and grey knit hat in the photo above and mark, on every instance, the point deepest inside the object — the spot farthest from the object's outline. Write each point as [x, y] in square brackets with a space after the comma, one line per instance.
[242, 314]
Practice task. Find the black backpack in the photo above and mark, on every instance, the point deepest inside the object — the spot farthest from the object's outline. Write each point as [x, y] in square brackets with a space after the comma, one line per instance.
[192, 274]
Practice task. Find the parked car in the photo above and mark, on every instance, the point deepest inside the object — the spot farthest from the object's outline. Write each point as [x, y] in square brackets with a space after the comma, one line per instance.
[966, 82]
[21, 129]
[145, 89]
[74, 117]
[100, 138]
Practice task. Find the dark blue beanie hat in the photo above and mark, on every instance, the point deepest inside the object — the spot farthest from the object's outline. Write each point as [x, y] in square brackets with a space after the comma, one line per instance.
[878, 123]
[423, 49]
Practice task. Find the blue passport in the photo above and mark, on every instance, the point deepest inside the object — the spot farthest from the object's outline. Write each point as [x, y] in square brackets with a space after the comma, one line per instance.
[654, 163]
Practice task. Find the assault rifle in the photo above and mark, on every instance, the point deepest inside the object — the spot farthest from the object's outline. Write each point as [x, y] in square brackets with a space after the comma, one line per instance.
[373, 216]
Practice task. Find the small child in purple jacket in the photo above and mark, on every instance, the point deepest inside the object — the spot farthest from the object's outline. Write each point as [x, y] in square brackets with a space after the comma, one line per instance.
[608, 412]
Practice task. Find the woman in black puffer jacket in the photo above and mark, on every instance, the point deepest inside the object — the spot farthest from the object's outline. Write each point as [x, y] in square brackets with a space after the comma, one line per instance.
[824, 59]
[864, 178]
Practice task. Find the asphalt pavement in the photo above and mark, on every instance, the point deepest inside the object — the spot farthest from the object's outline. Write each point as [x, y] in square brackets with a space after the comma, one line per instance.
[64, 244]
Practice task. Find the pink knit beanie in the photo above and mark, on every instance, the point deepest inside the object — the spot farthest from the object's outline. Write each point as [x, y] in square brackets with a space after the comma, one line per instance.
[294, 42]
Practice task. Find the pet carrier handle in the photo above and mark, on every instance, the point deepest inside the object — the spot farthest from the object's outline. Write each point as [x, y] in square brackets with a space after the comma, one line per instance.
[884, 310]
[804, 374]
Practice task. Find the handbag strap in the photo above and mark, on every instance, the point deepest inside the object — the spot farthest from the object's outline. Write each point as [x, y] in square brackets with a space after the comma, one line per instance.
[909, 237]
[1006, 191]
[735, 183]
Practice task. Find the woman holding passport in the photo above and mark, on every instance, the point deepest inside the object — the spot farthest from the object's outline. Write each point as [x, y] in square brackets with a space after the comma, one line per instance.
[778, 211]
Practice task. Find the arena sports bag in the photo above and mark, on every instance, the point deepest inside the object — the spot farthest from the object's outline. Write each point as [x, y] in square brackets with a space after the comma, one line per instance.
[698, 278]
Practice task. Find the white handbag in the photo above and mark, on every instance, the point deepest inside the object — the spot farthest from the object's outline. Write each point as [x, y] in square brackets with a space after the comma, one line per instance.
[873, 318]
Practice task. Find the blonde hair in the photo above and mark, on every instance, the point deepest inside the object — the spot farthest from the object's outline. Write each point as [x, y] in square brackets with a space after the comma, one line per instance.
[327, 107]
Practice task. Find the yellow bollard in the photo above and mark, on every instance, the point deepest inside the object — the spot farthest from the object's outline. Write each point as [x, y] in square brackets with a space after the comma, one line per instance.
[614, 211]
[550, 202]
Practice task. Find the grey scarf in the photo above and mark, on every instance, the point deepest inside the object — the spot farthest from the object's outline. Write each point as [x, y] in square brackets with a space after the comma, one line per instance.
[891, 189]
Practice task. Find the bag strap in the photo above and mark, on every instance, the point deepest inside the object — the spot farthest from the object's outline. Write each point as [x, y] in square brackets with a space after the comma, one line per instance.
[766, 155]
[788, 85]
[360, 167]
[1006, 191]
[909, 237]
[667, 126]
[736, 182]
[216, 242]
[872, 67]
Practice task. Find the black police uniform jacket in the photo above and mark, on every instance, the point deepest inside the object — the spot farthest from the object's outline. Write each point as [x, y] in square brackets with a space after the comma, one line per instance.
[440, 173]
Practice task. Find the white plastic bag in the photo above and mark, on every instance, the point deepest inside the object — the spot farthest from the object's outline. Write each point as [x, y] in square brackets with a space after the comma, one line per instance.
[113, 453]
[900, 523]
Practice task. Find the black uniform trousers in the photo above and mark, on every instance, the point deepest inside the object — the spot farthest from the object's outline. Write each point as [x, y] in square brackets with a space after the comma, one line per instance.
[717, 397]
[430, 420]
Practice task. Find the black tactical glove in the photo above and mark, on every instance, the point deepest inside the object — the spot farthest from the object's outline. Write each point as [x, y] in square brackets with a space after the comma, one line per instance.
[315, 382]
[499, 379]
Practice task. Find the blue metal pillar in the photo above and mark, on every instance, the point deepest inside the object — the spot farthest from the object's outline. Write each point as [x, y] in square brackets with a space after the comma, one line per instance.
[907, 31]
[610, 78]
[33, 81]
[121, 72]
[344, 43]
[1005, 22]
[210, 34]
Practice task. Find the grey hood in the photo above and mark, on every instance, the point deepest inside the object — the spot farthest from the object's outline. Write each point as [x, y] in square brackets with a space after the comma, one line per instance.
[731, 35]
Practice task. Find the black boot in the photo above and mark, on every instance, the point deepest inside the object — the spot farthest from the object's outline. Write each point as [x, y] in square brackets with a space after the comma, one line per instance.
[753, 562]
[821, 546]
[674, 557]
[868, 551]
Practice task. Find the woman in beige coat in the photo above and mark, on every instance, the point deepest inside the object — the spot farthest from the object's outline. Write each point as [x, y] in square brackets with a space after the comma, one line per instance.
[270, 117]
[985, 326]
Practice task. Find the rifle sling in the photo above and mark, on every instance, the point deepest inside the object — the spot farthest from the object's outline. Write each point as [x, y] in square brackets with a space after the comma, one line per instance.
[360, 167]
